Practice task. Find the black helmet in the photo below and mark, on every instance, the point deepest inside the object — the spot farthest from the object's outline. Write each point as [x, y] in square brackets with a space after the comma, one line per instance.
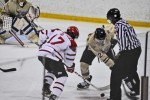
[100, 34]
[113, 15]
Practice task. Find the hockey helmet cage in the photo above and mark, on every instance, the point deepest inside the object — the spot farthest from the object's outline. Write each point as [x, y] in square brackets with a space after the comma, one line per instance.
[73, 31]
[100, 34]
[113, 15]
[21, 0]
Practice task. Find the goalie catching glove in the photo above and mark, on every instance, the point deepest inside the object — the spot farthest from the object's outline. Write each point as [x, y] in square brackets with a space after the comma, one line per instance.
[71, 69]
[33, 13]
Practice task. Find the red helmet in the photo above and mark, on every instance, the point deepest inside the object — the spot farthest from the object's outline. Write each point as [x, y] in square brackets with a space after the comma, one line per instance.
[73, 31]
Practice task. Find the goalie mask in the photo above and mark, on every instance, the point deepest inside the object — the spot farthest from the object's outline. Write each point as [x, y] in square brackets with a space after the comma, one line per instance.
[73, 32]
[21, 2]
[113, 15]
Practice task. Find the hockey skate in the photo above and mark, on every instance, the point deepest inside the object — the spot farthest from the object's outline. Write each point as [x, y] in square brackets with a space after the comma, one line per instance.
[46, 91]
[84, 85]
[133, 93]
[53, 97]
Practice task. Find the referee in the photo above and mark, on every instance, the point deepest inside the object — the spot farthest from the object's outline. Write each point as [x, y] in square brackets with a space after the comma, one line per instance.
[129, 52]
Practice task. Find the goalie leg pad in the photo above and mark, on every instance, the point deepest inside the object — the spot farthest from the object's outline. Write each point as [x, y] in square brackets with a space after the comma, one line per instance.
[4, 35]
[7, 22]
[17, 24]
[31, 34]
[24, 25]
[29, 31]
[2, 41]
[2, 31]
[33, 37]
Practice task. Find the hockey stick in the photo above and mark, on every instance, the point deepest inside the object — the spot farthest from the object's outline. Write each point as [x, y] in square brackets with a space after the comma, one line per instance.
[8, 70]
[17, 38]
[98, 88]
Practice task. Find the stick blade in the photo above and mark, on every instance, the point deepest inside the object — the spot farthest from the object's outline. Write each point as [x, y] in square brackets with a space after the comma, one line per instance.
[8, 70]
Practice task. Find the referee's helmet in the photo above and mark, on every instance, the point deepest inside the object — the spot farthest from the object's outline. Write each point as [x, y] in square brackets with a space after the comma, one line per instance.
[113, 15]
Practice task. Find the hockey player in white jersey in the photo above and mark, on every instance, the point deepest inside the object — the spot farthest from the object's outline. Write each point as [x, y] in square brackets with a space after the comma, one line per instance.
[57, 49]
[22, 14]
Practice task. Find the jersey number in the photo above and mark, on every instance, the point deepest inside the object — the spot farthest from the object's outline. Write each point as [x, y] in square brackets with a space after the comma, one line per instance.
[60, 40]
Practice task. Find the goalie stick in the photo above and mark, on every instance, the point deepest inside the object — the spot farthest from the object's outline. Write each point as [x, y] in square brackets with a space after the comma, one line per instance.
[17, 38]
[8, 70]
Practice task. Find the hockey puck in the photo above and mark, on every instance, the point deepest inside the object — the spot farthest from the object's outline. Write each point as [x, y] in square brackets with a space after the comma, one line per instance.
[102, 94]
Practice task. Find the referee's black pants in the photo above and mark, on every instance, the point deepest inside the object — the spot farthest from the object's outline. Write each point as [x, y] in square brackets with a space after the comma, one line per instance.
[125, 66]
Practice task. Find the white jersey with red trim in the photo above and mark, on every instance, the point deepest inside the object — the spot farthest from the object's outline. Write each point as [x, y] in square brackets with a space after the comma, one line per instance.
[57, 45]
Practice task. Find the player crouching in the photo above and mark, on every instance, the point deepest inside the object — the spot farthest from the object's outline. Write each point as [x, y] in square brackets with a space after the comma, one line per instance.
[99, 43]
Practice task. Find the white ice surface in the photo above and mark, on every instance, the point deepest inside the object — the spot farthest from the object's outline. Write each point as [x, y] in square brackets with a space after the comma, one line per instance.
[26, 82]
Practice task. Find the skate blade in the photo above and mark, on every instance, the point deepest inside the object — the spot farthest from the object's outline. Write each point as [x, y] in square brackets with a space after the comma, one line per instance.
[82, 88]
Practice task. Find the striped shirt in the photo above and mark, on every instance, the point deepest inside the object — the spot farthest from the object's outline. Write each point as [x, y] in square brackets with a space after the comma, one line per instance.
[126, 36]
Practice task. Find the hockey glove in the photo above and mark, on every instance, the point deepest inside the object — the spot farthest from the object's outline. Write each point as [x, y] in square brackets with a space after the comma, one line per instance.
[33, 13]
[109, 62]
[71, 69]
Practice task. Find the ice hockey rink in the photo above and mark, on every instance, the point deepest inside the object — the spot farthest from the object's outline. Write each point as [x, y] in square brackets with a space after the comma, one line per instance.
[26, 82]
